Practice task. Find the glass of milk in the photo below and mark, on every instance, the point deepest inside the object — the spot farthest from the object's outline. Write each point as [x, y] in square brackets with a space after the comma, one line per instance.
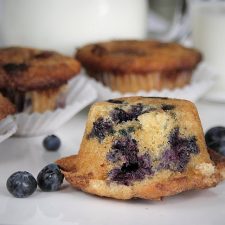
[208, 32]
[63, 25]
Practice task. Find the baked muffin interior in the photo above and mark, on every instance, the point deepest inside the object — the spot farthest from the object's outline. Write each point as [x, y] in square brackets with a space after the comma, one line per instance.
[141, 147]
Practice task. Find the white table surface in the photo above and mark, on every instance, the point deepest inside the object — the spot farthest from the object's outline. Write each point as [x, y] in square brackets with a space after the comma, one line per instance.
[70, 206]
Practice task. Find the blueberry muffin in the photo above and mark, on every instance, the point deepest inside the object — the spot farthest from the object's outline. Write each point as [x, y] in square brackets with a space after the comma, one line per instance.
[141, 148]
[35, 80]
[131, 66]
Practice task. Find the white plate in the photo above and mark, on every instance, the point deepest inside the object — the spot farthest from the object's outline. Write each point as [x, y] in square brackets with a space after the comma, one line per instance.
[70, 206]
[215, 96]
[204, 77]
[8, 127]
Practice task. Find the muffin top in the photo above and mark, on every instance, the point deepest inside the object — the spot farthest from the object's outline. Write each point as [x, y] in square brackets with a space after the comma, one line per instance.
[6, 107]
[137, 57]
[27, 69]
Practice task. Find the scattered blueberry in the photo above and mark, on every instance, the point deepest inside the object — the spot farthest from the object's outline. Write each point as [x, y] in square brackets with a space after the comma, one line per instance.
[50, 178]
[215, 139]
[21, 184]
[52, 143]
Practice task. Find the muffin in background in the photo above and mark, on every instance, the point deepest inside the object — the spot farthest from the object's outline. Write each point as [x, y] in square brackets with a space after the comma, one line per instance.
[132, 65]
[35, 80]
[8, 126]
[6, 107]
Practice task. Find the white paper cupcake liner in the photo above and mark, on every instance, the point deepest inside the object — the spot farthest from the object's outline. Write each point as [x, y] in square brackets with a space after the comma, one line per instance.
[203, 79]
[8, 127]
[80, 95]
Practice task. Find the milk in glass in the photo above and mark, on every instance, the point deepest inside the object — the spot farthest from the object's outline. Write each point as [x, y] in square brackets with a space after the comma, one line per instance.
[208, 29]
[64, 25]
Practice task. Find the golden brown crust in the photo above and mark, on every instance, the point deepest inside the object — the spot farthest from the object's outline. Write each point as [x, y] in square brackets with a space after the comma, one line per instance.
[139, 57]
[67, 163]
[90, 169]
[146, 190]
[6, 107]
[26, 69]
[219, 161]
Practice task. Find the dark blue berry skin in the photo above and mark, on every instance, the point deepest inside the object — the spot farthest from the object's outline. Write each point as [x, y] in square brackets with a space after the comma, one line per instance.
[119, 115]
[52, 143]
[215, 139]
[21, 184]
[134, 166]
[136, 110]
[101, 128]
[132, 171]
[177, 156]
[50, 178]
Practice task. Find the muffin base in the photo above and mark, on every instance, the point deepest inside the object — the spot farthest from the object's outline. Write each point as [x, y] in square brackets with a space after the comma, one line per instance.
[37, 101]
[147, 82]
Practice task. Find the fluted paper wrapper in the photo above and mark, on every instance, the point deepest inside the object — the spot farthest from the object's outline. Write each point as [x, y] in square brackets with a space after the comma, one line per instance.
[203, 79]
[8, 127]
[80, 94]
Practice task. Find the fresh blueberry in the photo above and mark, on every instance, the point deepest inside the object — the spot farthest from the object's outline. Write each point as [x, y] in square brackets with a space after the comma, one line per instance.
[215, 139]
[50, 178]
[21, 184]
[52, 143]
